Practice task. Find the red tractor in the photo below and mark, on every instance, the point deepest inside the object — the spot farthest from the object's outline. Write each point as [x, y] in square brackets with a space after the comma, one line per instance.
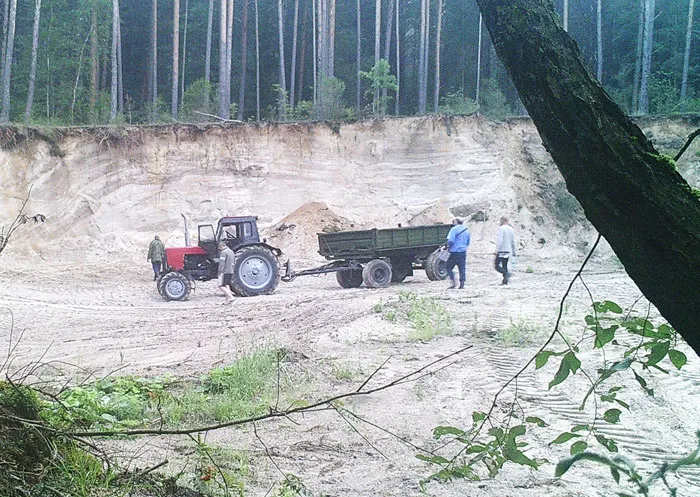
[256, 269]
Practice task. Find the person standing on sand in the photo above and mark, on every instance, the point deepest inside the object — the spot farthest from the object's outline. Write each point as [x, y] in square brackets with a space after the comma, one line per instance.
[226, 259]
[457, 242]
[156, 256]
[505, 249]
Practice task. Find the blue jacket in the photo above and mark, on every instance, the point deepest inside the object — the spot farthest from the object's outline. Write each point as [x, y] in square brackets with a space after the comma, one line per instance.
[458, 238]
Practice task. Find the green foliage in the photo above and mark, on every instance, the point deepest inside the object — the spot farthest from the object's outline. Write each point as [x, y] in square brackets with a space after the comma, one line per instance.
[664, 97]
[456, 104]
[426, 316]
[197, 100]
[219, 472]
[330, 99]
[492, 101]
[380, 80]
[520, 333]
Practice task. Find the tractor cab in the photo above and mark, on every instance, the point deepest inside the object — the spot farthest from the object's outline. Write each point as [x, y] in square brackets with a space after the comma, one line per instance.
[233, 231]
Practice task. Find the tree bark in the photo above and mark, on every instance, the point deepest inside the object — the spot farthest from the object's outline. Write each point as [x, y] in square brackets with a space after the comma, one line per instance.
[293, 70]
[257, 64]
[358, 57]
[438, 34]
[633, 196]
[421, 57]
[244, 61]
[282, 94]
[229, 53]
[115, 66]
[120, 77]
[638, 59]
[184, 51]
[176, 58]
[377, 45]
[5, 25]
[599, 40]
[387, 43]
[398, 61]
[302, 61]
[686, 56]
[154, 62]
[647, 47]
[94, 60]
[224, 105]
[7, 66]
[565, 15]
[32, 70]
[207, 52]
[315, 48]
[478, 61]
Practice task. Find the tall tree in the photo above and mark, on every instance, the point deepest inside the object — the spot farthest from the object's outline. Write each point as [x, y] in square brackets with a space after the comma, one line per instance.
[207, 50]
[438, 35]
[630, 193]
[423, 56]
[293, 69]
[5, 25]
[229, 52]
[565, 15]
[120, 72]
[176, 59]
[114, 97]
[599, 40]
[302, 59]
[377, 43]
[398, 60]
[686, 56]
[387, 43]
[224, 90]
[649, 14]
[316, 30]
[638, 58]
[184, 50]
[282, 93]
[94, 60]
[7, 65]
[478, 62]
[244, 61]
[257, 64]
[358, 57]
[154, 62]
[32, 70]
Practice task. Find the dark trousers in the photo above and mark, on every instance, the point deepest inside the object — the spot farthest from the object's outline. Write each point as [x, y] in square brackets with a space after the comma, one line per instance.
[156, 268]
[502, 267]
[458, 259]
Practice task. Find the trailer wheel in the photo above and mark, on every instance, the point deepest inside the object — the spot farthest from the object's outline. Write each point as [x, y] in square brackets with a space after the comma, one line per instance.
[435, 269]
[376, 274]
[175, 286]
[256, 271]
[400, 269]
[351, 278]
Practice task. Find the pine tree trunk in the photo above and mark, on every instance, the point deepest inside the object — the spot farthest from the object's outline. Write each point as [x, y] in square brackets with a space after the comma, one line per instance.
[32, 70]
[7, 67]
[207, 53]
[686, 56]
[421, 57]
[647, 47]
[631, 194]
[302, 61]
[176, 58]
[358, 57]
[244, 61]
[398, 60]
[293, 71]
[478, 61]
[387, 46]
[282, 94]
[377, 45]
[565, 15]
[257, 64]
[120, 77]
[184, 51]
[331, 39]
[638, 59]
[599, 40]
[154, 62]
[114, 97]
[229, 53]
[224, 107]
[438, 34]
[5, 25]
[94, 61]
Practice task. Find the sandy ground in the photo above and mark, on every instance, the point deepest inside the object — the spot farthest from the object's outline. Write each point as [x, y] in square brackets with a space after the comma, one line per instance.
[104, 319]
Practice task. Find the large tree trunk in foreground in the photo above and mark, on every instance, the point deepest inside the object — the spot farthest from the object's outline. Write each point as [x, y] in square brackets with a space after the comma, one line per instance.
[633, 196]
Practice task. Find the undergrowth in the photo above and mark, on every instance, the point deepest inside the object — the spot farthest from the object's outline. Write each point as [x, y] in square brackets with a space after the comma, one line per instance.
[426, 316]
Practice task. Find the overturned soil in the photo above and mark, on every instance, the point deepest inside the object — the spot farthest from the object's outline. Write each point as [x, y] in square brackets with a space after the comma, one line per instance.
[76, 292]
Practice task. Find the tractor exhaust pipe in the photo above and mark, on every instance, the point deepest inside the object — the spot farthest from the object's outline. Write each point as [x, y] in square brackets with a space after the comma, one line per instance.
[187, 232]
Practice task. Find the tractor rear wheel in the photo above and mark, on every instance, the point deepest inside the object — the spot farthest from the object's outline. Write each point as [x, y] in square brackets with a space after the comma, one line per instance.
[174, 286]
[435, 269]
[376, 274]
[350, 278]
[256, 271]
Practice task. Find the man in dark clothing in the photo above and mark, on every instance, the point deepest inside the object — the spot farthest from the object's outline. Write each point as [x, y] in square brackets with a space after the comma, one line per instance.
[156, 256]
[457, 242]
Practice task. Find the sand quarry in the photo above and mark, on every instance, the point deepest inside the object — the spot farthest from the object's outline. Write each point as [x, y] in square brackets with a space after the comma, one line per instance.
[78, 289]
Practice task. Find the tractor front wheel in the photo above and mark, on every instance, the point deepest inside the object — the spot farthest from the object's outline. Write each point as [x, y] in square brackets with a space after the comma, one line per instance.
[376, 274]
[174, 286]
[256, 271]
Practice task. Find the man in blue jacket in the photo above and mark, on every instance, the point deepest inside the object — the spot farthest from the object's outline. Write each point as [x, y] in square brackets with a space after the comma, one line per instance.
[457, 242]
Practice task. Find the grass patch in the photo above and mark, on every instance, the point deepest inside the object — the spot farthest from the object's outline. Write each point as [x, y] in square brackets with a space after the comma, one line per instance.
[426, 316]
[346, 371]
[519, 333]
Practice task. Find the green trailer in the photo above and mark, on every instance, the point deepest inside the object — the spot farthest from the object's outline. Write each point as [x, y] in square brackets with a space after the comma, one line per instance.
[378, 257]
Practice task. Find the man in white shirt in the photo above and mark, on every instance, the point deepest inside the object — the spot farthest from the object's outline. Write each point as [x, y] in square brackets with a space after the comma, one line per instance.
[505, 249]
